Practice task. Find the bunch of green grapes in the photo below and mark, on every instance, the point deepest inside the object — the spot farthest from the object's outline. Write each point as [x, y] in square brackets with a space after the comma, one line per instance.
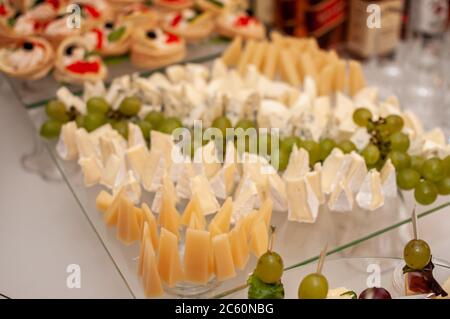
[428, 177]
[99, 112]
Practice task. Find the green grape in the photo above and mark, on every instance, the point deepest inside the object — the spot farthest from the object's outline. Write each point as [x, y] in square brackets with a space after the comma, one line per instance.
[245, 124]
[347, 147]
[93, 121]
[443, 186]
[384, 131]
[425, 193]
[283, 159]
[57, 110]
[269, 268]
[407, 178]
[417, 254]
[417, 162]
[146, 128]
[170, 124]
[399, 159]
[399, 142]
[371, 154]
[326, 146]
[79, 119]
[130, 106]
[362, 117]
[155, 118]
[222, 123]
[313, 149]
[447, 164]
[433, 169]
[313, 286]
[288, 143]
[97, 105]
[121, 127]
[51, 128]
[394, 123]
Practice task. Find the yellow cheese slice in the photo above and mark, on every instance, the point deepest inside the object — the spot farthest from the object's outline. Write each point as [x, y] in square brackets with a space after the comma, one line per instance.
[169, 262]
[223, 258]
[232, 54]
[208, 201]
[239, 246]
[265, 211]
[246, 56]
[151, 278]
[128, 230]
[137, 157]
[221, 222]
[259, 239]
[340, 79]
[140, 218]
[247, 222]
[289, 69]
[197, 221]
[259, 54]
[150, 220]
[307, 66]
[192, 208]
[103, 201]
[196, 256]
[271, 60]
[169, 217]
[111, 213]
[326, 78]
[356, 78]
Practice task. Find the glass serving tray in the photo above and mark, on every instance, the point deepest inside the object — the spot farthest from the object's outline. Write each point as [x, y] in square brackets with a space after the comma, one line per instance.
[297, 243]
[354, 273]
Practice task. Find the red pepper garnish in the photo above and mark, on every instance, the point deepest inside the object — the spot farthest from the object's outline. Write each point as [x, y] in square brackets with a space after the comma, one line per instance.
[99, 34]
[83, 67]
[40, 25]
[176, 21]
[54, 3]
[92, 11]
[3, 11]
[244, 21]
[172, 38]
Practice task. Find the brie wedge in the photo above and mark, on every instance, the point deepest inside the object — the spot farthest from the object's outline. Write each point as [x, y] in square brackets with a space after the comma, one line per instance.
[137, 158]
[85, 145]
[303, 205]
[341, 199]
[357, 173]
[67, 146]
[370, 196]
[111, 170]
[298, 164]
[131, 188]
[168, 190]
[135, 137]
[245, 199]
[92, 170]
[389, 180]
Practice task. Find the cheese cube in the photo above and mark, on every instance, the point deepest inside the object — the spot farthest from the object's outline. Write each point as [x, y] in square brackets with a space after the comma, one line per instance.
[103, 201]
[169, 263]
[196, 256]
[223, 258]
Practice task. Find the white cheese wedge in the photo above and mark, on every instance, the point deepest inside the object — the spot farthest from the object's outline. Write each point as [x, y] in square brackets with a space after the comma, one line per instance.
[314, 179]
[357, 173]
[70, 100]
[246, 196]
[413, 124]
[335, 165]
[163, 143]
[257, 168]
[344, 107]
[111, 170]
[111, 146]
[361, 138]
[85, 145]
[434, 143]
[310, 87]
[341, 199]
[219, 69]
[67, 147]
[135, 137]
[130, 187]
[298, 164]
[223, 182]
[206, 160]
[168, 189]
[368, 94]
[92, 170]
[303, 205]
[137, 157]
[370, 196]
[208, 202]
[321, 115]
[273, 114]
[187, 173]
[154, 171]
[389, 180]
[277, 192]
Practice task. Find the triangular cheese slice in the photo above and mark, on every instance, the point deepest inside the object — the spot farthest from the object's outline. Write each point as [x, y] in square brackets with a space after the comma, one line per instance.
[245, 198]
[197, 221]
[288, 68]
[164, 144]
[357, 173]
[153, 172]
[183, 187]
[265, 211]
[85, 145]
[239, 246]
[135, 137]
[232, 54]
[128, 230]
[92, 170]
[259, 238]
[168, 189]
[341, 199]
[208, 202]
[131, 188]
[103, 201]
[112, 168]
[151, 278]
[137, 157]
[298, 164]
[277, 192]
[303, 205]
[110, 216]
[206, 158]
[169, 262]
[389, 180]
[144, 239]
[326, 79]
[169, 218]
[196, 256]
[340, 82]
[223, 257]
[314, 178]
[150, 221]
[67, 146]
[192, 208]
[246, 56]
[370, 196]
[271, 60]
[356, 78]
[335, 169]
[221, 221]
[223, 182]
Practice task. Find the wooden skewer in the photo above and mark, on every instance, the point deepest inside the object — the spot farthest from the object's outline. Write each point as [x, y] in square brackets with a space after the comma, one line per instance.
[272, 237]
[323, 254]
[414, 223]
